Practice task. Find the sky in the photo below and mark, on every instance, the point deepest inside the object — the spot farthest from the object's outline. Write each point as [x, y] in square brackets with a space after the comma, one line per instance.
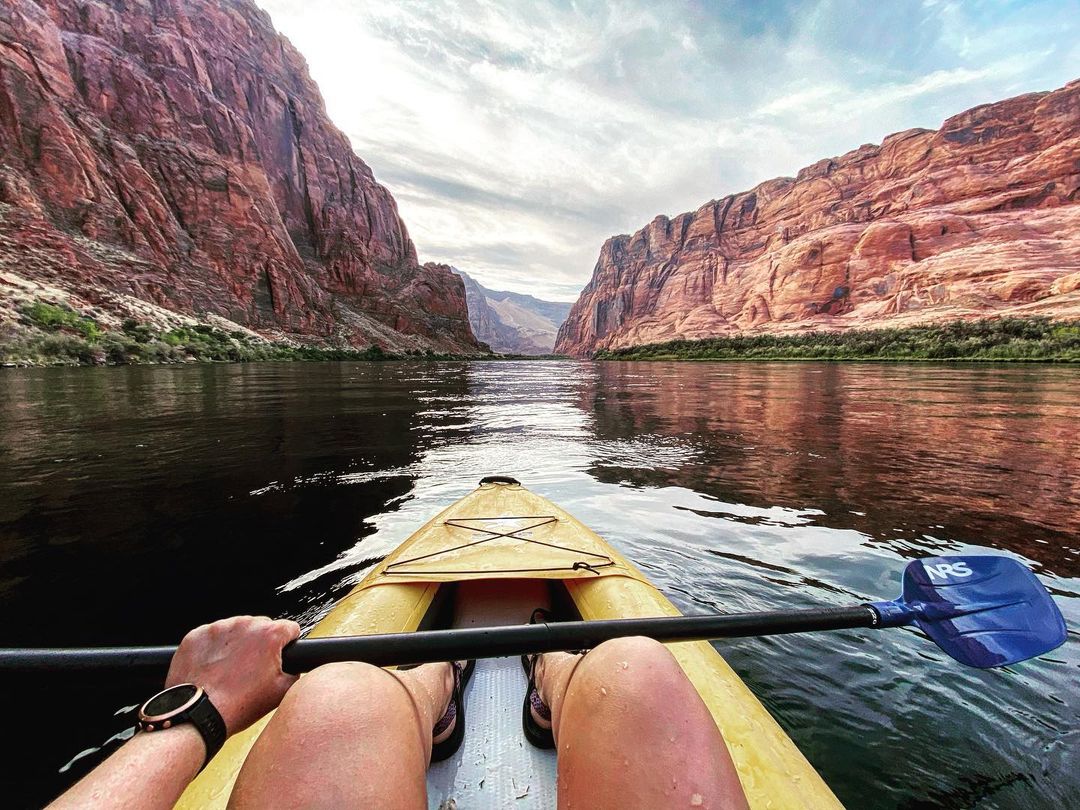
[516, 136]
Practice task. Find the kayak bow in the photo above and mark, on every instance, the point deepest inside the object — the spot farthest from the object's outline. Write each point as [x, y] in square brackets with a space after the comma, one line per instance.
[487, 560]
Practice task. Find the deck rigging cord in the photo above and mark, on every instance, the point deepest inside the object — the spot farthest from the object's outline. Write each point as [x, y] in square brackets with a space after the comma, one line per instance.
[544, 520]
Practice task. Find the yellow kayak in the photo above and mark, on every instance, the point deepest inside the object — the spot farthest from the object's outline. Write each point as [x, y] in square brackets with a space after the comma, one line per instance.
[488, 560]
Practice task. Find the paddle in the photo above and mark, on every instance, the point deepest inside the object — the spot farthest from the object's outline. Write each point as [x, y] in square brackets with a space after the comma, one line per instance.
[983, 611]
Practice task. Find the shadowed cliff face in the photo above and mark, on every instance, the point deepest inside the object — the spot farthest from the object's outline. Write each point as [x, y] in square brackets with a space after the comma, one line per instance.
[177, 152]
[978, 218]
[246, 477]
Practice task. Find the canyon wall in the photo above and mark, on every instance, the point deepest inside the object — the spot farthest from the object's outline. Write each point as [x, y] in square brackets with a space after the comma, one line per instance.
[174, 156]
[977, 219]
[512, 323]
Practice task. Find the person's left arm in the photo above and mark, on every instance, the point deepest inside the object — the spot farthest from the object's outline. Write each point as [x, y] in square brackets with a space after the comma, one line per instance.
[237, 662]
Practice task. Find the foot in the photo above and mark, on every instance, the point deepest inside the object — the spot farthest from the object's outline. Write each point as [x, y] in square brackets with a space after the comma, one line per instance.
[538, 707]
[447, 721]
[541, 700]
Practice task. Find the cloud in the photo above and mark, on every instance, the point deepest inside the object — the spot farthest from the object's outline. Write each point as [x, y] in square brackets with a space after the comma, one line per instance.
[516, 137]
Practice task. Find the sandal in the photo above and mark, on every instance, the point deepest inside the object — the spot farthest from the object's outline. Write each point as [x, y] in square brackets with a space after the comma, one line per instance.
[535, 733]
[455, 710]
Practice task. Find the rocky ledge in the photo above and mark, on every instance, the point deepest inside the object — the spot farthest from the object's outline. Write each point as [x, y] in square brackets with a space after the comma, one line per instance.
[164, 158]
[979, 218]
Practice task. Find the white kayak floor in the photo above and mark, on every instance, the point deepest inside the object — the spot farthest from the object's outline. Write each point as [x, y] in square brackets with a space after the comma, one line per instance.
[495, 766]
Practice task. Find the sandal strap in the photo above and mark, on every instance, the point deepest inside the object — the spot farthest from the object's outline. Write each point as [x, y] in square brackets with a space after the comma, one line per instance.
[542, 710]
[537, 703]
[545, 615]
[447, 719]
[451, 708]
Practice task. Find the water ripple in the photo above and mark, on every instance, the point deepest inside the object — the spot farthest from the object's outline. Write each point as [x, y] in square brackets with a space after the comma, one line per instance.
[736, 487]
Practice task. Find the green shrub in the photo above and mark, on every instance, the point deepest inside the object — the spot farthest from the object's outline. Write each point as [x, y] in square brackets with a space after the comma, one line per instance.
[120, 349]
[54, 317]
[68, 347]
[141, 332]
[63, 336]
[61, 346]
[988, 339]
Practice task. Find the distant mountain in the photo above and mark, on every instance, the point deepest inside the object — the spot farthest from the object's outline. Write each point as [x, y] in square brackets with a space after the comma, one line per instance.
[512, 323]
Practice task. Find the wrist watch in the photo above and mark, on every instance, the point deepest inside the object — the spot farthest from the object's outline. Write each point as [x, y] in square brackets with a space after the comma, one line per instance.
[185, 703]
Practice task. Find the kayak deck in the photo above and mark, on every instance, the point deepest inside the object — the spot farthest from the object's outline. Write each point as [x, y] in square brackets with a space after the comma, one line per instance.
[495, 766]
[488, 560]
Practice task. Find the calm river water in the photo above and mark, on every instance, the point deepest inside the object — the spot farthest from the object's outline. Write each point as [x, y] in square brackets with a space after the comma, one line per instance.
[138, 502]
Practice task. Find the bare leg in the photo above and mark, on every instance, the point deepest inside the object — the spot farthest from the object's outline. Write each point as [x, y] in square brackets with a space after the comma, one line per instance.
[631, 731]
[348, 735]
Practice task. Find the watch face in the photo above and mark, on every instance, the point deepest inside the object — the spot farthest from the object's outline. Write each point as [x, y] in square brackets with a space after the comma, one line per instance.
[165, 703]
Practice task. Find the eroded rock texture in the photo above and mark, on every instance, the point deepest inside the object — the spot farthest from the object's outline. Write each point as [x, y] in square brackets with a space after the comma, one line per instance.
[512, 323]
[977, 219]
[177, 152]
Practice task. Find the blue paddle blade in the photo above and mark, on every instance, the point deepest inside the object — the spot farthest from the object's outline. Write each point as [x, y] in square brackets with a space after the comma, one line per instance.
[983, 611]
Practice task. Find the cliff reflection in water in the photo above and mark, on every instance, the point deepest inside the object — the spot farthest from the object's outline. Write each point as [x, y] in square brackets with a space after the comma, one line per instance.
[113, 479]
[907, 455]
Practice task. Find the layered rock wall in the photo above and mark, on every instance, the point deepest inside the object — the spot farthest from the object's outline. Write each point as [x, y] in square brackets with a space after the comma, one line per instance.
[512, 323]
[976, 219]
[178, 152]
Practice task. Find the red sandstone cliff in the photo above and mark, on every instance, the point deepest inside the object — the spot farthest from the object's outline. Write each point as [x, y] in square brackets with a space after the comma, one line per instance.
[177, 152]
[979, 218]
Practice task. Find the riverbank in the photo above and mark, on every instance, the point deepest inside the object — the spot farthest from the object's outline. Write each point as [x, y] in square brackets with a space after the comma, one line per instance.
[1001, 340]
[50, 335]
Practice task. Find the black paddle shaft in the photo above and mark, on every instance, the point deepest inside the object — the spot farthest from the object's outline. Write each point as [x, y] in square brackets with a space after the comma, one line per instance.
[422, 647]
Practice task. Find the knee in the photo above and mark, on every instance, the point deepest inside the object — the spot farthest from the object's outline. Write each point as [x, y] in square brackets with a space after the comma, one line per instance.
[354, 689]
[638, 668]
[645, 654]
[345, 676]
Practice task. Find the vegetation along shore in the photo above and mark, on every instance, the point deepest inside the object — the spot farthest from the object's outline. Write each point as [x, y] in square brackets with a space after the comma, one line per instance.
[52, 335]
[989, 340]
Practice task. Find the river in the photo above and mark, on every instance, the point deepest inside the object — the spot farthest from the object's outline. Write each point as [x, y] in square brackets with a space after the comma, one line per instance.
[138, 502]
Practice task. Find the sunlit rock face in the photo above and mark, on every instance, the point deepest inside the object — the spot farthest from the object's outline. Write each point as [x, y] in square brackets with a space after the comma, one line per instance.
[178, 152]
[979, 218]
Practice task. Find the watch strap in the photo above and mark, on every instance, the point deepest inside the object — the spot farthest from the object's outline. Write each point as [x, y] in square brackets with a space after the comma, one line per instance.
[207, 719]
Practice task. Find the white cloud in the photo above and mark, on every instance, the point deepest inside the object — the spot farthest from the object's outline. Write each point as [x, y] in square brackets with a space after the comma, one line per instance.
[516, 137]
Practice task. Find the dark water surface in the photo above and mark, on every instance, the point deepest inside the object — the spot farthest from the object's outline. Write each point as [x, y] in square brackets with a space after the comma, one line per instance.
[136, 503]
